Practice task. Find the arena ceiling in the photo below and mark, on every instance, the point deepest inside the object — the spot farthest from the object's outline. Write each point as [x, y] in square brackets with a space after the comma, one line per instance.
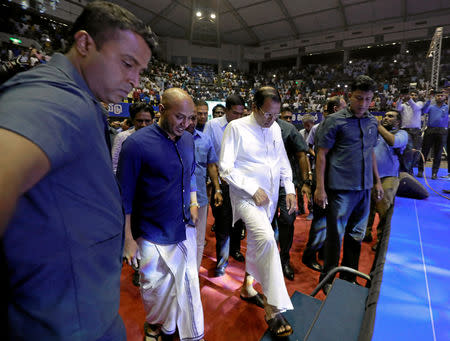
[255, 22]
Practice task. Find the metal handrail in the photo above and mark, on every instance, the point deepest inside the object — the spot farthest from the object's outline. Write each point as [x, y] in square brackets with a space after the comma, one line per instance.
[333, 272]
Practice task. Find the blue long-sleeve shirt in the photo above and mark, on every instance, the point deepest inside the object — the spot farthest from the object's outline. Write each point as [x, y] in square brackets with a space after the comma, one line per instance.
[156, 177]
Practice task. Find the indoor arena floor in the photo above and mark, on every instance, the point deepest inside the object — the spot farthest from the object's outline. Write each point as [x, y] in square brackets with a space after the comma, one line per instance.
[414, 302]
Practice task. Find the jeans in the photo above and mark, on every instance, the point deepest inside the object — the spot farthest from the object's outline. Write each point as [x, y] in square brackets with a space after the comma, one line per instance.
[348, 212]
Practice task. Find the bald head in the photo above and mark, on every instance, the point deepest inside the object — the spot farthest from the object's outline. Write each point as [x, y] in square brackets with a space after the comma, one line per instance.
[177, 111]
[174, 95]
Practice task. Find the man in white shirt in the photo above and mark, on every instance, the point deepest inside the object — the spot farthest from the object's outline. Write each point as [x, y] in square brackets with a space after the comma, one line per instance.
[227, 231]
[254, 163]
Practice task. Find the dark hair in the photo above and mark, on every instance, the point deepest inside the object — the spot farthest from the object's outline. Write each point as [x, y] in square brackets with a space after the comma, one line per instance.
[101, 18]
[399, 116]
[217, 106]
[332, 102]
[136, 108]
[234, 99]
[363, 83]
[200, 102]
[285, 109]
[266, 92]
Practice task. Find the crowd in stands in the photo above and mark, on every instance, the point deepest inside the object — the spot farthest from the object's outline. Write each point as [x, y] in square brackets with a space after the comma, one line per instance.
[305, 88]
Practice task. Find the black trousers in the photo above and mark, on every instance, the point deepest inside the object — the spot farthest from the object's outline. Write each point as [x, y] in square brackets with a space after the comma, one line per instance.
[285, 223]
[228, 237]
[434, 137]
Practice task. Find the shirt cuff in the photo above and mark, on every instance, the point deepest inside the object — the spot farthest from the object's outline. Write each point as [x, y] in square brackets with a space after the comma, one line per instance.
[289, 187]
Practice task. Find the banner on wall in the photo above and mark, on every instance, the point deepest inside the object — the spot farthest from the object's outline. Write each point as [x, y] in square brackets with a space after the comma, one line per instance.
[119, 110]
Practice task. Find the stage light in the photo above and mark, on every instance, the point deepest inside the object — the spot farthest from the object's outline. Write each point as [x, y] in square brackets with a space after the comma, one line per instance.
[339, 85]
[345, 86]
[349, 61]
[395, 60]
[198, 14]
[274, 76]
[229, 65]
[407, 51]
[213, 16]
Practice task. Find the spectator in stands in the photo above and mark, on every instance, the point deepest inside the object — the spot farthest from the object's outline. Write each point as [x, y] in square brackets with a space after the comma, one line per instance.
[205, 165]
[202, 114]
[391, 142]
[346, 160]
[218, 111]
[296, 150]
[141, 115]
[253, 161]
[228, 232]
[411, 112]
[158, 188]
[61, 220]
[435, 133]
[317, 231]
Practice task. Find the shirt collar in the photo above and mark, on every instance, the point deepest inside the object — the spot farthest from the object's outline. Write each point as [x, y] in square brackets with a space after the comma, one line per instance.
[223, 121]
[63, 63]
[349, 113]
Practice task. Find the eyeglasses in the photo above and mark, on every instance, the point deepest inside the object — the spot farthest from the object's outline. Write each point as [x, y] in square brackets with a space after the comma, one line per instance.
[268, 115]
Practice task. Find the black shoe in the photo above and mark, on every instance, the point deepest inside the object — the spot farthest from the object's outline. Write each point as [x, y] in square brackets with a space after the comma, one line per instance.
[309, 259]
[368, 238]
[135, 279]
[243, 233]
[288, 271]
[419, 174]
[326, 288]
[238, 256]
[219, 272]
[434, 176]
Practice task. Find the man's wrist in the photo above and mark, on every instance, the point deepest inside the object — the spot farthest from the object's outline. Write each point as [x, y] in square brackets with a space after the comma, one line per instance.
[194, 204]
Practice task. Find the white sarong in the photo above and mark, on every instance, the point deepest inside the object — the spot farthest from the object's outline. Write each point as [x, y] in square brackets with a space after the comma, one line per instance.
[170, 286]
[262, 260]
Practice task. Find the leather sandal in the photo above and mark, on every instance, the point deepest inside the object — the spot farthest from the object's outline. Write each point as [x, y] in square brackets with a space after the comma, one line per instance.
[276, 322]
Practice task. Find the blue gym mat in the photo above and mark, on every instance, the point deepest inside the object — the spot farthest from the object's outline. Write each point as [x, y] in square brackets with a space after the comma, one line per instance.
[414, 302]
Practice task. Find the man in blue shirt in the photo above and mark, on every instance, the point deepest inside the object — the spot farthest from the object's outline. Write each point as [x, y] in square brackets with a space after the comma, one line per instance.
[61, 213]
[156, 175]
[346, 144]
[391, 142]
[435, 134]
[205, 165]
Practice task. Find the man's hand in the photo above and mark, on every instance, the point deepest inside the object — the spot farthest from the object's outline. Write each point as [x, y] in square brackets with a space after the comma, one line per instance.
[291, 203]
[218, 199]
[320, 197]
[131, 252]
[194, 214]
[379, 192]
[260, 197]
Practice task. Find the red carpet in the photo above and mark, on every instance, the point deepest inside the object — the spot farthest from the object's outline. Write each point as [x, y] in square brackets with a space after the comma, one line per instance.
[227, 317]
